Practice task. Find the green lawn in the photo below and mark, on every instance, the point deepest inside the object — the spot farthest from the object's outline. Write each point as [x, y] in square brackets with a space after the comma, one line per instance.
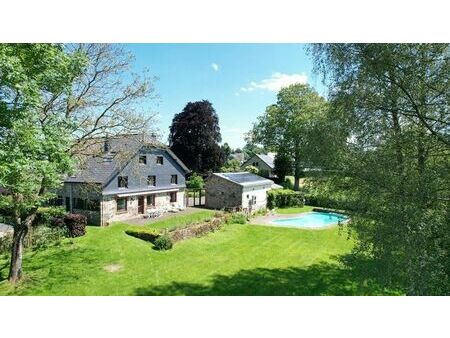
[237, 260]
[179, 221]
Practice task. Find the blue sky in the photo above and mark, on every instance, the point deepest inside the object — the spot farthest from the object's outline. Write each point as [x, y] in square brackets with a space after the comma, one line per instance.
[240, 80]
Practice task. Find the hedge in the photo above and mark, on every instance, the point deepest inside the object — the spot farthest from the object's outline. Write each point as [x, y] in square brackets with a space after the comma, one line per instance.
[284, 198]
[146, 234]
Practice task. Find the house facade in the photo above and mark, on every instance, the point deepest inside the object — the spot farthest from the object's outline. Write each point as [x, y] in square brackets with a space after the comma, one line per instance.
[129, 177]
[264, 163]
[241, 190]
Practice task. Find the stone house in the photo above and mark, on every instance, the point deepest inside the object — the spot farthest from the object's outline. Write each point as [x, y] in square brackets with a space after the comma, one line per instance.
[127, 177]
[241, 190]
[264, 163]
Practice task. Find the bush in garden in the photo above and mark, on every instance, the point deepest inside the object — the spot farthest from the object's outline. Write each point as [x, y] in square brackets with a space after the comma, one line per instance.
[76, 224]
[45, 215]
[5, 243]
[237, 218]
[163, 242]
[146, 234]
[281, 198]
[195, 182]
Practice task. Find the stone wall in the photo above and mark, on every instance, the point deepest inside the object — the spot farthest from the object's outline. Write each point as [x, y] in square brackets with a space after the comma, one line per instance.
[221, 193]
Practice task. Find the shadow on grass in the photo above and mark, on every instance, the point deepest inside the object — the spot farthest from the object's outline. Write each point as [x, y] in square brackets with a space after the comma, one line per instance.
[318, 279]
[49, 269]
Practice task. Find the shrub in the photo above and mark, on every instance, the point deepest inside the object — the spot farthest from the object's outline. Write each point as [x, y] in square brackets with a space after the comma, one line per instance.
[237, 218]
[287, 184]
[146, 234]
[163, 242]
[37, 237]
[45, 215]
[5, 243]
[58, 222]
[76, 224]
[284, 198]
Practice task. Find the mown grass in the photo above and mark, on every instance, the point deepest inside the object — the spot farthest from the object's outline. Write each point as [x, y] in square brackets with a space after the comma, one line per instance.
[237, 260]
[180, 221]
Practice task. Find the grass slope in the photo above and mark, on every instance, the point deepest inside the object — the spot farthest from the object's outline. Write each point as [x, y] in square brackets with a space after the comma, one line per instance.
[237, 260]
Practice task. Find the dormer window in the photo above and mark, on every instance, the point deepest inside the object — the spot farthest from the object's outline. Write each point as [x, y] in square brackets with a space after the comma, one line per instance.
[122, 181]
[151, 181]
[159, 160]
[142, 159]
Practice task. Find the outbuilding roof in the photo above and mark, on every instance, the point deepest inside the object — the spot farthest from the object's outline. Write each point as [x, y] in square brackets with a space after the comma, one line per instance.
[244, 178]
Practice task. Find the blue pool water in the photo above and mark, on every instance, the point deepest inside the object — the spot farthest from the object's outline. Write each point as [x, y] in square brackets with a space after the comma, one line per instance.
[311, 220]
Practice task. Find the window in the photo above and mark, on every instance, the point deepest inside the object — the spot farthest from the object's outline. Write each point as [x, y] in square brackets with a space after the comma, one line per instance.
[142, 159]
[173, 197]
[106, 146]
[159, 160]
[121, 204]
[174, 179]
[122, 181]
[151, 181]
[68, 204]
[255, 164]
[150, 200]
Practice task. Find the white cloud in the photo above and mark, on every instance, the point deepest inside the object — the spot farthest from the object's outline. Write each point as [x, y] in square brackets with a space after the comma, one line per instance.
[276, 82]
[215, 66]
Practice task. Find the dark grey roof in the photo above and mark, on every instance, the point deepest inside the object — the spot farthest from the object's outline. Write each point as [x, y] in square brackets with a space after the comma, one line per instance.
[267, 159]
[98, 169]
[244, 178]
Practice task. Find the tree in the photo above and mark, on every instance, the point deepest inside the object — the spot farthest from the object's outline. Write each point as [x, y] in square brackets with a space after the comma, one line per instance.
[195, 182]
[392, 101]
[57, 102]
[231, 166]
[195, 137]
[33, 147]
[252, 169]
[282, 166]
[104, 99]
[226, 151]
[251, 148]
[288, 125]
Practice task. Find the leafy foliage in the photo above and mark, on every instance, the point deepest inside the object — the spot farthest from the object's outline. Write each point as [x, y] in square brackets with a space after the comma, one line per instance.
[195, 182]
[163, 242]
[146, 234]
[252, 169]
[231, 166]
[195, 137]
[281, 198]
[237, 218]
[392, 100]
[283, 166]
[76, 224]
[288, 126]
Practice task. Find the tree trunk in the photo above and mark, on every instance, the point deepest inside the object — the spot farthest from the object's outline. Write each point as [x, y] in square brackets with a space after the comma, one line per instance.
[297, 173]
[20, 232]
[15, 267]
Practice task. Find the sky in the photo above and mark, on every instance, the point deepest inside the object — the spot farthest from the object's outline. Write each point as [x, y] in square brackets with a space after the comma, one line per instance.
[240, 80]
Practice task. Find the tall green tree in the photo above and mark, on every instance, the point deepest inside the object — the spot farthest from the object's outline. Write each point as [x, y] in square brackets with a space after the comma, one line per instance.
[288, 126]
[34, 146]
[195, 136]
[392, 100]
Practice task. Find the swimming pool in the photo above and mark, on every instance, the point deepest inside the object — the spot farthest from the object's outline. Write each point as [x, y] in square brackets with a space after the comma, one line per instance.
[311, 220]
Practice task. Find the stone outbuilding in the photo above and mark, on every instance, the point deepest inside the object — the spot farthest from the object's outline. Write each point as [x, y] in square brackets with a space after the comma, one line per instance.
[242, 190]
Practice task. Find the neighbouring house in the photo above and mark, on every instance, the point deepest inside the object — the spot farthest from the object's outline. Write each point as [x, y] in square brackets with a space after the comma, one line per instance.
[130, 175]
[264, 163]
[241, 190]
